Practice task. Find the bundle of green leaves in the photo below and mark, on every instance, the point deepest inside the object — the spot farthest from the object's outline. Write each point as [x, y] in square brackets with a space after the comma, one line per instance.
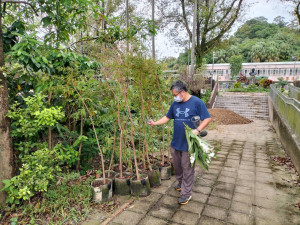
[200, 150]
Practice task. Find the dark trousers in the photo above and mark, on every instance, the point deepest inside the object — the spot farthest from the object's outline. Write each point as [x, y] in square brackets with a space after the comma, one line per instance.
[183, 171]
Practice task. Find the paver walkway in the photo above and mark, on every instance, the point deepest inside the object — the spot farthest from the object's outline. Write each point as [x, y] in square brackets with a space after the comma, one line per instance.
[242, 186]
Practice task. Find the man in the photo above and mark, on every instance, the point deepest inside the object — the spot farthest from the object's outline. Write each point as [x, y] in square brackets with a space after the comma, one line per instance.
[184, 107]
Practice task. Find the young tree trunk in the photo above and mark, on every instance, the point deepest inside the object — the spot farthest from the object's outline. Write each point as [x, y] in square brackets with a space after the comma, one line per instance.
[121, 155]
[143, 152]
[131, 129]
[6, 149]
[113, 152]
[121, 131]
[297, 10]
[80, 146]
[49, 128]
[96, 136]
[169, 138]
[145, 147]
[152, 145]
[163, 132]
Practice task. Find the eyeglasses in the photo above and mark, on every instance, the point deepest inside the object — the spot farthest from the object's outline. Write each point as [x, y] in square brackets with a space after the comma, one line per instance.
[177, 94]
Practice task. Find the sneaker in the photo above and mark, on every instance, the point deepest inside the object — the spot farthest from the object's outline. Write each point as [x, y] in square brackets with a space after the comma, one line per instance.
[184, 201]
[178, 187]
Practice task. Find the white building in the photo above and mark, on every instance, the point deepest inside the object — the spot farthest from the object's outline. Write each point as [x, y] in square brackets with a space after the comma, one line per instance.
[290, 71]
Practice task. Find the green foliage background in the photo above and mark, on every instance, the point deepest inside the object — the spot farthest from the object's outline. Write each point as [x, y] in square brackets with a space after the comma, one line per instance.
[257, 40]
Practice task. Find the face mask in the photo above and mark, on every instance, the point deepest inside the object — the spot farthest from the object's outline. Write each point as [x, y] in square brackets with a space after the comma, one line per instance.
[177, 99]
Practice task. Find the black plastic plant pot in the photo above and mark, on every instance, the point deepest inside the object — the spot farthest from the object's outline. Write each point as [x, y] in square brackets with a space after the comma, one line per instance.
[122, 185]
[154, 177]
[165, 171]
[102, 192]
[110, 174]
[140, 188]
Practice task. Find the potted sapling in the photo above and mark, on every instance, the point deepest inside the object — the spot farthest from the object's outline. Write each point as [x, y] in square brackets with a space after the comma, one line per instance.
[153, 175]
[101, 187]
[139, 185]
[122, 179]
[165, 167]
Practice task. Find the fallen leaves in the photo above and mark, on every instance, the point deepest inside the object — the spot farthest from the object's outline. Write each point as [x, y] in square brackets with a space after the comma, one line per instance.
[287, 162]
[107, 207]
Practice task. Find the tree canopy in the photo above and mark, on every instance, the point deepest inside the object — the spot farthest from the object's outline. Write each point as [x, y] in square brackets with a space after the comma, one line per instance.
[214, 19]
[256, 40]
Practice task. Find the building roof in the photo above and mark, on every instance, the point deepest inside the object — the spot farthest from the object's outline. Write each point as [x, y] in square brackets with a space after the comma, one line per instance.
[259, 63]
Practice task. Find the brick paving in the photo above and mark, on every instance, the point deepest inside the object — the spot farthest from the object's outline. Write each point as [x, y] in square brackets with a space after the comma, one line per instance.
[243, 186]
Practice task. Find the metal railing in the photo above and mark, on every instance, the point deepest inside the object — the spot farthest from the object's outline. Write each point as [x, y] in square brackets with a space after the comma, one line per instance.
[294, 92]
[289, 108]
[223, 85]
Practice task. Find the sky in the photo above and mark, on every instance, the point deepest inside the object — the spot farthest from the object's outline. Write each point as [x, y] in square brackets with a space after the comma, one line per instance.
[268, 9]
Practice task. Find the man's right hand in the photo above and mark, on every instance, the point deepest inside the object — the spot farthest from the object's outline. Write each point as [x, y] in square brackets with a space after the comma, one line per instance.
[150, 122]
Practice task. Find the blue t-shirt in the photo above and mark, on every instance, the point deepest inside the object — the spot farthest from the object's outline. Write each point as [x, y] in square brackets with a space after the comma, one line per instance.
[182, 112]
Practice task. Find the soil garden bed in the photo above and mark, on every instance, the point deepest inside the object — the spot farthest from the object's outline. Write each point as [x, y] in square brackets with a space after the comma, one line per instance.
[227, 117]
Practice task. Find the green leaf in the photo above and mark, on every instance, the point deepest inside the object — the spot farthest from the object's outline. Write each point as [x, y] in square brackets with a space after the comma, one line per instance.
[7, 184]
[46, 21]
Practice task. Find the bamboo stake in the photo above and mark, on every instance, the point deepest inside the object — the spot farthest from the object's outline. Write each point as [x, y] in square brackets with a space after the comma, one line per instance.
[163, 133]
[80, 146]
[113, 153]
[144, 126]
[121, 134]
[49, 128]
[131, 130]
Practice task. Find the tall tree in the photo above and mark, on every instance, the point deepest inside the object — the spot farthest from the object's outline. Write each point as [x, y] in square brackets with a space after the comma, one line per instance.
[192, 69]
[296, 10]
[235, 64]
[5, 140]
[279, 21]
[214, 19]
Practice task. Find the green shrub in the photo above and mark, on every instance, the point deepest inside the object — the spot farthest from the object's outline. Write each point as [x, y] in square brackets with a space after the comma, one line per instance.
[251, 88]
[262, 81]
[37, 171]
[67, 201]
[205, 97]
[237, 85]
[29, 121]
[282, 82]
[34, 117]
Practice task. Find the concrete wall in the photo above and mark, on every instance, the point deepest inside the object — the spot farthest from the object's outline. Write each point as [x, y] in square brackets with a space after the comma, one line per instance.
[289, 140]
